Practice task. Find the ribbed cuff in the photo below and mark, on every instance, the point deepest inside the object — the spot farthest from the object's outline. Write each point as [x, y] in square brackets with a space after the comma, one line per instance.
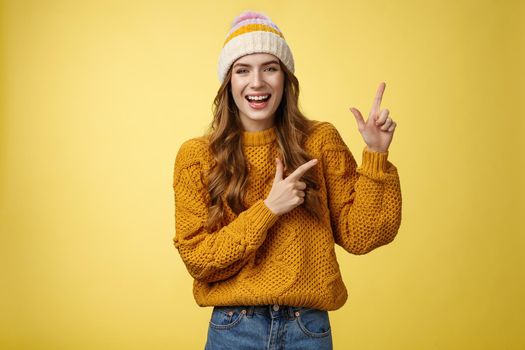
[262, 218]
[374, 164]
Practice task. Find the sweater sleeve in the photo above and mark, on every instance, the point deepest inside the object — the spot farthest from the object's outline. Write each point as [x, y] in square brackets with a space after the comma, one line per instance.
[212, 256]
[365, 202]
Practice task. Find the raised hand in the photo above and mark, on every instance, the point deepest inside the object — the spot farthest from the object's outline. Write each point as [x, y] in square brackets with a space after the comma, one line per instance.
[378, 129]
[288, 193]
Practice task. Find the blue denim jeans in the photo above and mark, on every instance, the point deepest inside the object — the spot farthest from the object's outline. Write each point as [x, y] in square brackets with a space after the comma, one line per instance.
[268, 327]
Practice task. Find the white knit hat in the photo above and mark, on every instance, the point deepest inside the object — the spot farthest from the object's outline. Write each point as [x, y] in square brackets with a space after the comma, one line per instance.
[253, 32]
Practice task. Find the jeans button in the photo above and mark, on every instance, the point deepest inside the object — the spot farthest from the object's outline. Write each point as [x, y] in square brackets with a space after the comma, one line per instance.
[275, 307]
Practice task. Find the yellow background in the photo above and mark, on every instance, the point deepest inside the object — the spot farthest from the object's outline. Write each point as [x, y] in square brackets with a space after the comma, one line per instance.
[97, 96]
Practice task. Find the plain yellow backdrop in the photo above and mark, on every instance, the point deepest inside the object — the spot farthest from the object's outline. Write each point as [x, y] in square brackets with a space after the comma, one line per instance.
[97, 96]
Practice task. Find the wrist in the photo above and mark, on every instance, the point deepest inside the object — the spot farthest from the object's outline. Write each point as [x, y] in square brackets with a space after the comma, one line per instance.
[269, 207]
[373, 149]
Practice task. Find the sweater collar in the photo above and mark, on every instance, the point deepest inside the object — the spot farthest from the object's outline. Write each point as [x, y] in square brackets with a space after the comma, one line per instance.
[258, 138]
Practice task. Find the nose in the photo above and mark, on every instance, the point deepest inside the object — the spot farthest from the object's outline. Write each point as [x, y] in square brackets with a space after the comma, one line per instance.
[257, 80]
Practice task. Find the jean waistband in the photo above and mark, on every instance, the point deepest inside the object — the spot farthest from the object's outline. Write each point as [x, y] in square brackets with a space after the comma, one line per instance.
[273, 310]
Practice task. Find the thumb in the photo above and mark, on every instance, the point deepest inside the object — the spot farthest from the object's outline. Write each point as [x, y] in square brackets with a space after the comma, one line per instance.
[278, 170]
[358, 117]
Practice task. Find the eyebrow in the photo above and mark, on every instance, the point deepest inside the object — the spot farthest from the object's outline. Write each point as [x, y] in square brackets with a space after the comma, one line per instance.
[247, 65]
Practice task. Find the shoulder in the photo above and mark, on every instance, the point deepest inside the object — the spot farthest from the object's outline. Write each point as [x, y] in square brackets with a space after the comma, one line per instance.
[324, 135]
[193, 152]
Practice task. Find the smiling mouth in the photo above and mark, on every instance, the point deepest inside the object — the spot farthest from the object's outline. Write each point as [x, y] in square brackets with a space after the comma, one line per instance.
[258, 100]
[259, 104]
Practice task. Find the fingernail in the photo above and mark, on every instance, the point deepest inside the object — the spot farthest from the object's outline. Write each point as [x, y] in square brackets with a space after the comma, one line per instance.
[314, 160]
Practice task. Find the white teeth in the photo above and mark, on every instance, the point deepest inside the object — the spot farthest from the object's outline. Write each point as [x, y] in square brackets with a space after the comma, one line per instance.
[257, 98]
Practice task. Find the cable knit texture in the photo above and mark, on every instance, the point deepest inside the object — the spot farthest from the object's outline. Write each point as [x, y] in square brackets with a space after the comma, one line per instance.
[259, 258]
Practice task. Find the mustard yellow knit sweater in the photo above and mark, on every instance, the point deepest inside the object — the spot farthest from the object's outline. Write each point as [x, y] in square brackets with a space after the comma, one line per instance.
[260, 258]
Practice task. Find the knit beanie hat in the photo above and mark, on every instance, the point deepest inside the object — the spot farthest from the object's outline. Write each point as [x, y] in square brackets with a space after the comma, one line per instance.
[253, 32]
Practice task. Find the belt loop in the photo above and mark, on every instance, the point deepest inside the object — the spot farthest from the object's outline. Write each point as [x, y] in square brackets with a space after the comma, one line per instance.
[289, 312]
[249, 311]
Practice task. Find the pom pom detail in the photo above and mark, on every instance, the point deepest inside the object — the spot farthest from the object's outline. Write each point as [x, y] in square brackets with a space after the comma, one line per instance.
[249, 15]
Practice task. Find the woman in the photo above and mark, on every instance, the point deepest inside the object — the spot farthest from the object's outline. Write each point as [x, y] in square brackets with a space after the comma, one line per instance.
[263, 197]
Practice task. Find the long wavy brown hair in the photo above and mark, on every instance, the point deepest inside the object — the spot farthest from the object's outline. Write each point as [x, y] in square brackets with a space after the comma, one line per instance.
[229, 175]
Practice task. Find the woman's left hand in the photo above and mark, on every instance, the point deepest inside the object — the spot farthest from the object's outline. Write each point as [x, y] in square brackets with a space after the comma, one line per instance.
[378, 129]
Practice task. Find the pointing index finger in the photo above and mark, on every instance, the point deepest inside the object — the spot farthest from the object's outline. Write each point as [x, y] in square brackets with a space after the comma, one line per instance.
[378, 98]
[299, 172]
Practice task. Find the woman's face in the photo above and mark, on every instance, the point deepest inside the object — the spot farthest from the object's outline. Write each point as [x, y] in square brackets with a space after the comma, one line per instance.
[257, 74]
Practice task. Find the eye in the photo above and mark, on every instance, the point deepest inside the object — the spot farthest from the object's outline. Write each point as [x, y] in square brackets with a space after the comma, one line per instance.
[273, 68]
[241, 70]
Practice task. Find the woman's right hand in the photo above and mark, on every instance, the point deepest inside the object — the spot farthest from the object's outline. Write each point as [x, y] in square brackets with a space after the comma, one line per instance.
[288, 193]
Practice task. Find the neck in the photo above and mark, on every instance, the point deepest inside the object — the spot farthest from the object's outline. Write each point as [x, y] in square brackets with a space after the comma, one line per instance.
[256, 125]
